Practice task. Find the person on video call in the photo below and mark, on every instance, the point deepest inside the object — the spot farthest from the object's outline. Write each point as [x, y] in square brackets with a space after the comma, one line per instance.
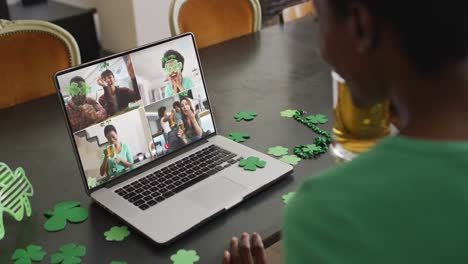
[191, 130]
[173, 65]
[115, 98]
[164, 119]
[116, 156]
[82, 111]
[176, 112]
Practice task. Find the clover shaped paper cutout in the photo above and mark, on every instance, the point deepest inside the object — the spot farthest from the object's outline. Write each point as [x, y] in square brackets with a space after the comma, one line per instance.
[32, 253]
[65, 211]
[118, 262]
[247, 116]
[252, 163]
[317, 119]
[288, 113]
[238, 137]
[15, 190]
[291, 159]
[185, 257]
[117, 233]
[287, 197]
[69, 254]
[278, 151]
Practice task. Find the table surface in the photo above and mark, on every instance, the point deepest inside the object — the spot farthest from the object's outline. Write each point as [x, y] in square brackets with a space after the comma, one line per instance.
[272, 70]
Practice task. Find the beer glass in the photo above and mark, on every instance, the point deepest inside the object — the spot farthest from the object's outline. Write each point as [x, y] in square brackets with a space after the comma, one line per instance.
[356, 129]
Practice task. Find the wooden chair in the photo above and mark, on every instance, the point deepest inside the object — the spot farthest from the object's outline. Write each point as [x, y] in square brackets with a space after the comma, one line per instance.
[31, 52]
[214, 21]
[297, 11]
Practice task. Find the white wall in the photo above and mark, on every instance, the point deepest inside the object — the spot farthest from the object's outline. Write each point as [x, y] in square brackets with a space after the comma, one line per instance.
[139, 22]
[117, 24]
[152, 20]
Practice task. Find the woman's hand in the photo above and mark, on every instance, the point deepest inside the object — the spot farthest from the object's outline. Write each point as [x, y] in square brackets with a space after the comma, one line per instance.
[191, 116]
[181, 134]
[117, 160]
[101, 82]
[246, 250]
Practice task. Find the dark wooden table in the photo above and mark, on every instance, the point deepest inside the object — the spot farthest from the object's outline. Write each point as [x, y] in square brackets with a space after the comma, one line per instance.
[267, 72]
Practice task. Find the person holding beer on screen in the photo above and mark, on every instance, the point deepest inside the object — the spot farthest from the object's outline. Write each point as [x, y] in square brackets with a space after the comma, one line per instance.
[82, 111]
[189, 128]
[116, 156]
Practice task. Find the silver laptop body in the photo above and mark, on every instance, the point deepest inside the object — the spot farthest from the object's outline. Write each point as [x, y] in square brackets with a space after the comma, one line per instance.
[114, 185]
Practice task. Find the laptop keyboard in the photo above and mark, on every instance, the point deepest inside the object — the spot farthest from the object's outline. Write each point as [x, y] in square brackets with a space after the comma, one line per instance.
[164, 183]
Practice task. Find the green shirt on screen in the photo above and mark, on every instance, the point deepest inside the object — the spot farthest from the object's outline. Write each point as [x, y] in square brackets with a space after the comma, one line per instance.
[124, 154]
[187, 83]
[405, 201]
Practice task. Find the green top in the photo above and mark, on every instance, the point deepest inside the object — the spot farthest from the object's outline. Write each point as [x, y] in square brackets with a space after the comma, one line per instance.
[405, 201]
[187, 83]
[124, 154]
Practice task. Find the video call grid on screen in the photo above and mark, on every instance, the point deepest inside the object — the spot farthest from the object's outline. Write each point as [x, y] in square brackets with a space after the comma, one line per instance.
[132, 109]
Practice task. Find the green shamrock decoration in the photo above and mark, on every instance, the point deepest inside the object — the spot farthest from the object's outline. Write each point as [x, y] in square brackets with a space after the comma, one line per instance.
[170, 57]
[32, 253]
[117, 233]
[183, 94]
[171, 66]
[103, 66]
[288, 113]
[247, 116]
[317, 119]
[278, 151]
[118, 262]
[291, 159]
[287, 197]
[15, 190]
[69, 254]
[74, 90]
[185, 257]
[63, 212]
[252, 163]
[238, 137]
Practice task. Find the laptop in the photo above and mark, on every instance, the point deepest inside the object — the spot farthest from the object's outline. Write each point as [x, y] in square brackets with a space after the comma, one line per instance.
[146, 144]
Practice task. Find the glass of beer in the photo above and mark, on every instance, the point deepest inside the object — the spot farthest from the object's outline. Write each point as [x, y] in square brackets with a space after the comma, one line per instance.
[356, 129]
[111, 151]
[181, 125]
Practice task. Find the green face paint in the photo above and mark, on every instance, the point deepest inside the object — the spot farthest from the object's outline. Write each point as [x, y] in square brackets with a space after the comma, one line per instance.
[75, 90]
[172, 66]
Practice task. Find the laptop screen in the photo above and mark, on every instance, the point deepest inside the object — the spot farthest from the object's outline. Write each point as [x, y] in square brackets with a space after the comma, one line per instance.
[135, 108]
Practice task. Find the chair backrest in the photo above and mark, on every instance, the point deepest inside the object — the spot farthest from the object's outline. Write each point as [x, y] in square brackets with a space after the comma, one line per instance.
[214, 21]
[31, 51]
[298, 11]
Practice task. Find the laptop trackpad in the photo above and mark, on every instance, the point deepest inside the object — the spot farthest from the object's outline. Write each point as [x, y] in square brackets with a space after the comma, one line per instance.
[219, 193]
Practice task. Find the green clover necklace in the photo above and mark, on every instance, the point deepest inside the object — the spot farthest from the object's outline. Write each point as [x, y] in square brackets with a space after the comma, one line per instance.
[321, 143]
